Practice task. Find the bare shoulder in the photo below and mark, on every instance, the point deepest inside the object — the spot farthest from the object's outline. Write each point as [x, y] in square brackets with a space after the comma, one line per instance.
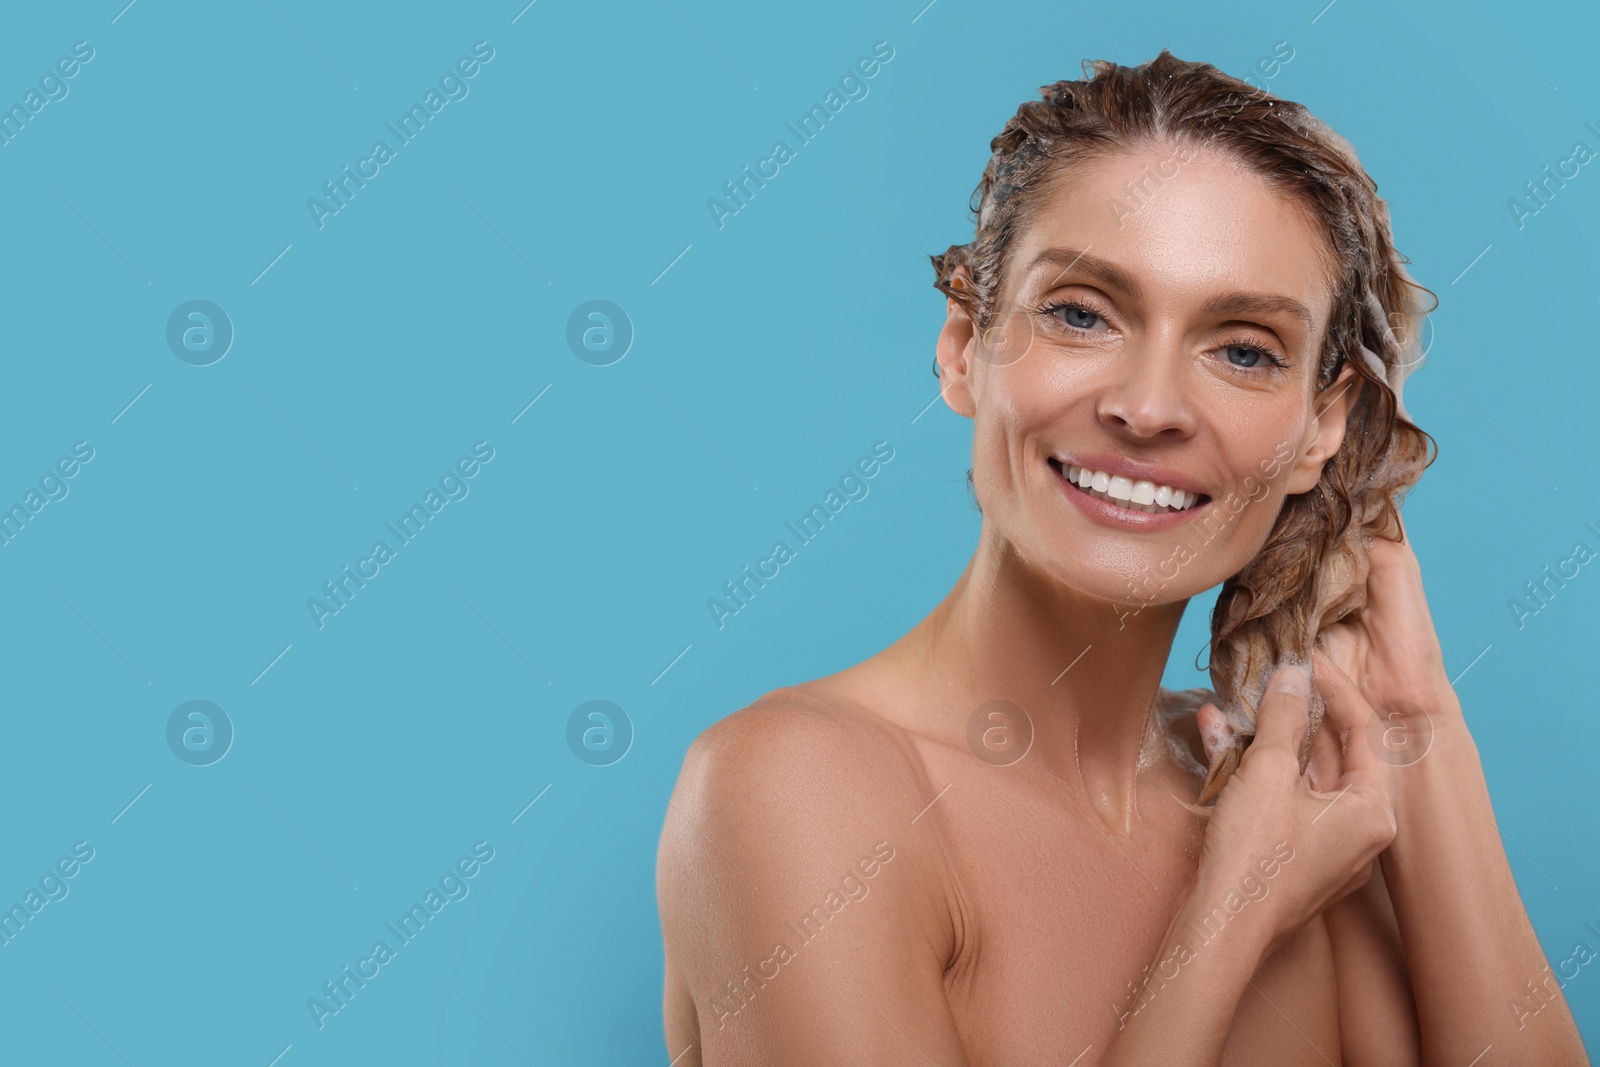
[789, 849]
[824, 771]
[800, 739]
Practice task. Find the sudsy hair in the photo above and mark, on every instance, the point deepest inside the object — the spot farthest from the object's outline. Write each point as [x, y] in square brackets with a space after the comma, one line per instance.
[1312, 570]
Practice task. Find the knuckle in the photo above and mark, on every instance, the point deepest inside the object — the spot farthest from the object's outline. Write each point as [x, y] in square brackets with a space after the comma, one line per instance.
[1372, 820]
[1382, 828]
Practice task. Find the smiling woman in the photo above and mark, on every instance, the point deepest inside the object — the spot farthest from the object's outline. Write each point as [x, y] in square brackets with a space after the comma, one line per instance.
[1312, 572]
[1205, 391]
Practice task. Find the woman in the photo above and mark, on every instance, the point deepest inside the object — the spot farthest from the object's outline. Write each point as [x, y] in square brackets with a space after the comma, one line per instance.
[1180, 332]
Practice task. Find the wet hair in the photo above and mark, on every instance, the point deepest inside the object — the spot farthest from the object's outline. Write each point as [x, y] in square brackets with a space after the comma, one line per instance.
[1311, 572]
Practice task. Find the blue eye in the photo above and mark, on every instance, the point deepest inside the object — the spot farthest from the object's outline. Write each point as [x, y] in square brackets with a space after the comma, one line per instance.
[1258, 357]
[1081, 317]
[1069, 310]
[1072, 314]
[1255, 355]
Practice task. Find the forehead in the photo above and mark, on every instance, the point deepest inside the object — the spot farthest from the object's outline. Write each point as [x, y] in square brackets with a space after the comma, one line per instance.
[1183, 223]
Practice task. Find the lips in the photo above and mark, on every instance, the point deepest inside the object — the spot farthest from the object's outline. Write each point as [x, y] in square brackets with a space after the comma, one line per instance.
[1141, 495]
[1128, 495]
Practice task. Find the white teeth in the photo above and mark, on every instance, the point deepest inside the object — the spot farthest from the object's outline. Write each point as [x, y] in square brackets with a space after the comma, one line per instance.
[1142, 495]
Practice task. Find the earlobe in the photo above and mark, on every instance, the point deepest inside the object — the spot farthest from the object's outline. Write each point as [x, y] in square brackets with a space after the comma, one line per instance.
[1326, 432]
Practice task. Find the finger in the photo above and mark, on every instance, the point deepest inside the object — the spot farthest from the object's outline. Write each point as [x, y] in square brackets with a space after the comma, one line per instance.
[1346, 708]
[1327, 755]
[1337, 652]
[1338, 642]
[1281, 718]
[1348, 712]
[1394, 577]
[1216, 732]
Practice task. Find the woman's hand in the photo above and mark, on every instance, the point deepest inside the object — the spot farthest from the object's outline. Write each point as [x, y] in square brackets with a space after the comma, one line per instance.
[1389, 648]
[1329, 831]
[1276, 853]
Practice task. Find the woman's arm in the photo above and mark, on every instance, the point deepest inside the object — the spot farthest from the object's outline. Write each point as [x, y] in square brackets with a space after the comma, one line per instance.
[1184, 1010]
[1377, 1011]
[1480, 980]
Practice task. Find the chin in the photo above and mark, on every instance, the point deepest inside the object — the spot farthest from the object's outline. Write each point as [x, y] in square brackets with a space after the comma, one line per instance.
[1130, 580]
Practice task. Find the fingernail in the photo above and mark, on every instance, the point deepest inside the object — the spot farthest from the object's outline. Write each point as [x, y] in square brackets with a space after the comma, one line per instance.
[1290, 678]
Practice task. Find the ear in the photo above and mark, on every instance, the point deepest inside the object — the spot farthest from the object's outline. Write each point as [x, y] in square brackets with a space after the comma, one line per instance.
[1325, 432]
[957, 349]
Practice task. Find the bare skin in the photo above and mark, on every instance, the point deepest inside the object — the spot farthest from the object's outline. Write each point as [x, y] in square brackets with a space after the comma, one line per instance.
[969, 907]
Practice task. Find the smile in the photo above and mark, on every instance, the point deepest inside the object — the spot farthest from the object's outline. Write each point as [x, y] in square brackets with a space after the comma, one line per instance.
[1140, 495]
[1131, 503]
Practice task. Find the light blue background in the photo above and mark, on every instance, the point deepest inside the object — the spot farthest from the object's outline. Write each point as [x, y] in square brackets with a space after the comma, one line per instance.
[428, 314]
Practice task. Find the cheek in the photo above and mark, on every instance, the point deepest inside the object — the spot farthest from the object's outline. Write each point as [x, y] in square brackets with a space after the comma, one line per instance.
[1043, 390]
[1007, 341]
[1000, 434]
[1016, 400]
[1263, 442]
[1241, 522]
[1254, 524]
[1019, 416]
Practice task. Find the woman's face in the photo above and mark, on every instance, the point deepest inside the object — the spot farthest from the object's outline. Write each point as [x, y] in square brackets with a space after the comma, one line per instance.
[1159, 324]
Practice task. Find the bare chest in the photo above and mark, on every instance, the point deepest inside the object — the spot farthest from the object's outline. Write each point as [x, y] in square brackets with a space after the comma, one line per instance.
[1061, 920]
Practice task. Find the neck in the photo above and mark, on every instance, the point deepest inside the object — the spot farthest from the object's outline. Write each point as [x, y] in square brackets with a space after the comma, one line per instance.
[1085, 671]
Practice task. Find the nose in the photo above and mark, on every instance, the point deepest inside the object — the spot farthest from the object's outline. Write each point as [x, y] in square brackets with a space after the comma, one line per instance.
[1146, 393]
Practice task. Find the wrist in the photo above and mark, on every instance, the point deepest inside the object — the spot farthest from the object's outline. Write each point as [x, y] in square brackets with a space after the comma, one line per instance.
[1232, 917]
[1418, 727]
[1447, 772]
[1446, 747]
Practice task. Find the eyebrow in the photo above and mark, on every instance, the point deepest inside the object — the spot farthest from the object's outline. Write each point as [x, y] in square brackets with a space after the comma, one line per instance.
[1238, 302]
